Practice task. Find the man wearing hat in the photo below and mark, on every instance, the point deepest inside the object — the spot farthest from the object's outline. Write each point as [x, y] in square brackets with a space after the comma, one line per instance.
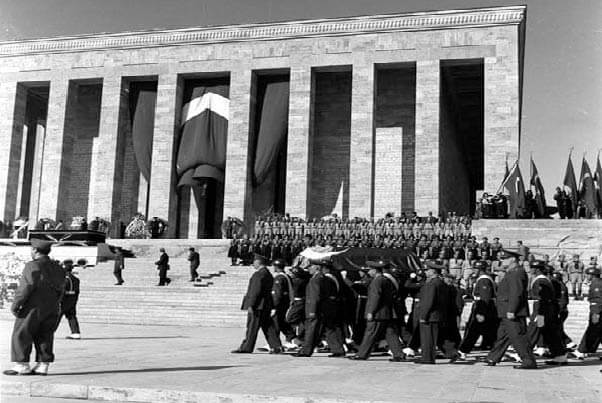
[195, 260]
[483, 319]
[512, 309]
[545, 319]
[321, 312]
[258, 304]
[381, 313]
[282, 298]
[69, 301]
[36, 307]
[593, 334]
[163, 266]
[295, 315]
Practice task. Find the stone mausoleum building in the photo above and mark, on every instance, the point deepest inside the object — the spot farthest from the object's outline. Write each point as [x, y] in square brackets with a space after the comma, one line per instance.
[386, 113]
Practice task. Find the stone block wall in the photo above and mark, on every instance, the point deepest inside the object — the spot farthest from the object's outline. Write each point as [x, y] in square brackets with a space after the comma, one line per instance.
[329, 189]
[388, 156]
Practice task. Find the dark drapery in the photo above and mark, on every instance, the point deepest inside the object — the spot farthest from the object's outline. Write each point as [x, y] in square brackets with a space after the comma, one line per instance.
[142, 112]
[202, 149]
[271, 134]
[354, 258]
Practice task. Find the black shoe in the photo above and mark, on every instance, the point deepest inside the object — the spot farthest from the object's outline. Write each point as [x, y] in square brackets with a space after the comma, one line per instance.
[557, 363]
[454, 358]
[523, 366]
[12, 372]
[397, 359]
[491, 363]
[336, 355]
[239, 351]
[356, 358]
[276, 350]
[301, 355]
[424, 362]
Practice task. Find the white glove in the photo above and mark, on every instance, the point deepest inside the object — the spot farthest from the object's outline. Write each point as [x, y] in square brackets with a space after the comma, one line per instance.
[540, 320]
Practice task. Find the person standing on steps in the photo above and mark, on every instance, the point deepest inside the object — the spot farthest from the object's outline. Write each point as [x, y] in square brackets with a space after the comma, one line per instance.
[36, 307]
[119, 266]
[69, 302]
[195, 260]
[163, 266]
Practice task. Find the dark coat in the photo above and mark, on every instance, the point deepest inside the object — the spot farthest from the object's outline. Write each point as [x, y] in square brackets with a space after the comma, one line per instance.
[433, 297]
[512, 293]
[41, 288]
[594, 297]
[546, 304]
[259, 291]
[484, 289]
[562, 294]
[281, 291]
[163, 262]
[381, 299]
[71, 292]
[119, 263]
[321, 297]
[194, 259]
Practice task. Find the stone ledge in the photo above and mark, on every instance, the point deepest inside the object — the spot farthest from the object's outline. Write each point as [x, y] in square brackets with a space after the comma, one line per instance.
[483, 17]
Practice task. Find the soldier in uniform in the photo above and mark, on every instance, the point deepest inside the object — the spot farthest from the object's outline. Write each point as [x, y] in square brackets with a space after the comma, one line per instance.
[282, 298]
[321, 312]
[545, 320]
[295, 315]
[69, 302]
[562, 296]
[483, 318]
[593, 334]
[195, 261]
[258, 303]
[513, 309]
[36, 308]
[575, 270]
[381, 314]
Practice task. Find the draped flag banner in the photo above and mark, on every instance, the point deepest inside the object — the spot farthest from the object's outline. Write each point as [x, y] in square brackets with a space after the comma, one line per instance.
[271, 135]
[515, 186]
[598, 182]
[587, 191]
[570, 184]
[202, 150]
[540, 198]
[142, 112]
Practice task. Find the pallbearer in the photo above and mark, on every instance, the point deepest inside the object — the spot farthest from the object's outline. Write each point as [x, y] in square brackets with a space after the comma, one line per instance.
[295, 315]
[381, 313]
[593, 334]
[282, 298]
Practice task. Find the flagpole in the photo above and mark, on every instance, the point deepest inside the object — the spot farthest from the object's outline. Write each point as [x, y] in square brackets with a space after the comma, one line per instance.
[504, 181]
[531, 171]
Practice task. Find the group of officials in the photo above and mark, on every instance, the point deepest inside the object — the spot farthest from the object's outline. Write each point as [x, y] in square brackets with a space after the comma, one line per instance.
[318, 308]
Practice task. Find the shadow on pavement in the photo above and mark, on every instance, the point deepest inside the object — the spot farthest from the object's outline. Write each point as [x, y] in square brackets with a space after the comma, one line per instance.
[133, 338]
[143, 370]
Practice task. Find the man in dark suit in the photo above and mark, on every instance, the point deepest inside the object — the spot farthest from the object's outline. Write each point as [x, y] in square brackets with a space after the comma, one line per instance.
[69, 303]
[431, 312]
[36, 308]
[195, 260]
[381, 313]
[163, 266]
[321, 312]
[258, 304]
[282, 298]
[513, 309]
[118, 266]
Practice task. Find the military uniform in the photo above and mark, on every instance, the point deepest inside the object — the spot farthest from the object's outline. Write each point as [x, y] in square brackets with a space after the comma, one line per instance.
[36, 308]
[69, 303]
[282, 299]
[593, 334]
[483, 318]
[432, 314]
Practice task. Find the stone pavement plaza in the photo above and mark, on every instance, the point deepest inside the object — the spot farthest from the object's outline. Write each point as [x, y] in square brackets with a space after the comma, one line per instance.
[175, 364]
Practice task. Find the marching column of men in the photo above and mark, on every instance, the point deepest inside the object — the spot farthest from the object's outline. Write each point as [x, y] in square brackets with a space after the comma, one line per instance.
[318, 309]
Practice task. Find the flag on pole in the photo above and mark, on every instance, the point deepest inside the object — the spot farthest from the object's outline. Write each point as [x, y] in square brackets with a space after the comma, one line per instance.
[598, 181]
[587, 191]
[515, 187]
[540, 198]
[570, 184]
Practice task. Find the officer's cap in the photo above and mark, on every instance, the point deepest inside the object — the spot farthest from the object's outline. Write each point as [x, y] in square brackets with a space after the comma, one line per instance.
[594, 271]
[68, 262]
[41, 245]
[377, 264]
[539, 265]
[508, 253]
[480, 265]
[278, 263]
[260, 258]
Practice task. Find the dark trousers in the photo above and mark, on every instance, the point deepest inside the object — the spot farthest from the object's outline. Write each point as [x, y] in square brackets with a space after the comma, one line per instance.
[332, 331]
[512, 332]
[163, 277]
[260, 318]
[282, 326]
[565, 337]
[375, 331]
[36, 330]
[193, 273]
[429, 334]
[117, 274]
[487, 329]
[68, 310]
[591, 338]
[414, 326]
[550, 334]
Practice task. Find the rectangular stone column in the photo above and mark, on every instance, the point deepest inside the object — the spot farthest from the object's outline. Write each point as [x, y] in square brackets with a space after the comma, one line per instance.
[237, 184]
[299, 141]
[387, 170]
[52, 159]
[427, 137]
[361, 152]
[162, 198]
[12, 108]
[501, 131]
[34, 201]
[104, 165]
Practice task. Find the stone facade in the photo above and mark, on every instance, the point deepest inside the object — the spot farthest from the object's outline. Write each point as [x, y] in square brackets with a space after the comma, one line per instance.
[353, 48]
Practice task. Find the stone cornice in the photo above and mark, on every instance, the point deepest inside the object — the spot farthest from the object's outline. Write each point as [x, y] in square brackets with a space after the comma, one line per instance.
[482, 17]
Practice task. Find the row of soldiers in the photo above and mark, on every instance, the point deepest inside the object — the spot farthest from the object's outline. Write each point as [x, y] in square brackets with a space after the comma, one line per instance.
[241, 251]
[355, 313]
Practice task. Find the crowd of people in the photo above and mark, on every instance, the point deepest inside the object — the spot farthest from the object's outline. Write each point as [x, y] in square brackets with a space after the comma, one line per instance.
[350, 313]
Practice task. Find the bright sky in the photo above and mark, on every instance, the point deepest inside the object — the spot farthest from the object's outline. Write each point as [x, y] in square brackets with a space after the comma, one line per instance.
[562, 104]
